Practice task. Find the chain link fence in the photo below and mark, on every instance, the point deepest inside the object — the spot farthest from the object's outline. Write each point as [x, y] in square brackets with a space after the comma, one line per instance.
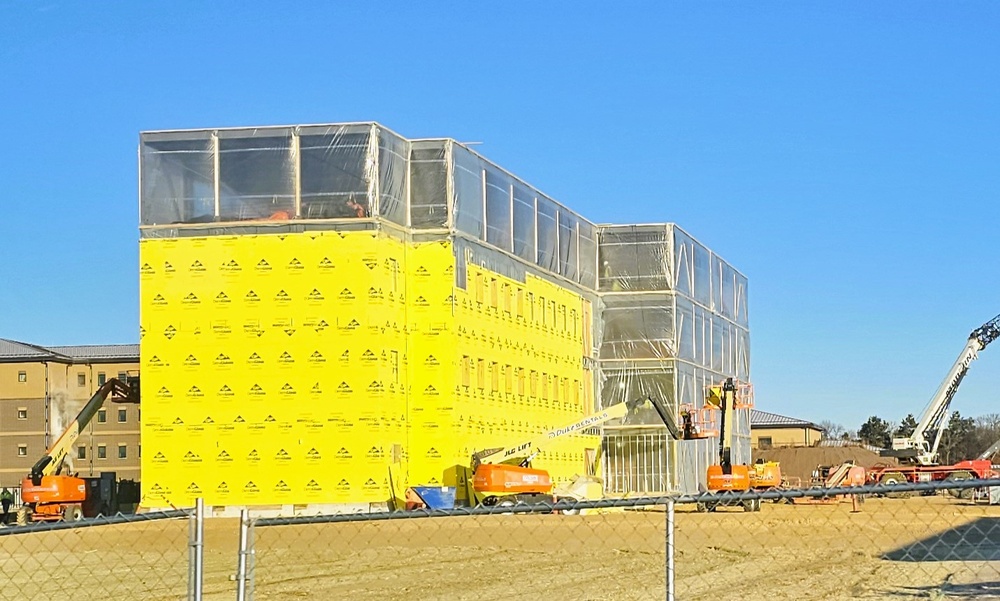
[145, 556]
[912, 541]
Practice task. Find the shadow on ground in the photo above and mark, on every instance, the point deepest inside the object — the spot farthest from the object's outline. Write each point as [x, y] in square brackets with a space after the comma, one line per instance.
[978, 540]
[981, 590]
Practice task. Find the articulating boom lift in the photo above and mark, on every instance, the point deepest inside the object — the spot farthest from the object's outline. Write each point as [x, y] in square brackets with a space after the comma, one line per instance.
[504, 476]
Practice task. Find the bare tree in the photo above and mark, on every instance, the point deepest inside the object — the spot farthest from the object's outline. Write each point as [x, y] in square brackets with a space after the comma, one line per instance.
[833, 429]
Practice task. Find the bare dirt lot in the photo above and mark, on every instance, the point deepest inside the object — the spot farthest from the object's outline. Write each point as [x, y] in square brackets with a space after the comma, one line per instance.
[917, 548]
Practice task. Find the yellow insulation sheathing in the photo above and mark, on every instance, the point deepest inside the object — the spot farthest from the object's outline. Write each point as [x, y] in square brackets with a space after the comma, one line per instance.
[297, 368]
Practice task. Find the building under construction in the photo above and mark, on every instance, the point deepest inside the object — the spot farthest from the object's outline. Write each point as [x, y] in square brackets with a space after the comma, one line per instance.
[332, 313]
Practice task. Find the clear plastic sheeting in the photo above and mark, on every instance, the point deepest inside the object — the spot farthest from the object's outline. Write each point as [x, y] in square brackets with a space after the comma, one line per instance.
[353, 171]
[524, 223]
[638, 327]
[256, 175]
[498, 209]
[429, 184]
[468, 190]
[568, 245]
[336, 171]
[548, 234]
[178, 178]
[272, 174]
[393, 152]
[693, 459]
[622, 382]
[673, 323]
[635, 258]
[588, 255]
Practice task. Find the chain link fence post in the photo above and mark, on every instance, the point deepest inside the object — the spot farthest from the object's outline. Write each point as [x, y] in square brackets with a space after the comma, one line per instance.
[196, 552]
[670, 549]
[244, 568]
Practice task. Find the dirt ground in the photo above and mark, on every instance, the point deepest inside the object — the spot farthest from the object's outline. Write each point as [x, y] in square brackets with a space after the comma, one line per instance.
[917, 548]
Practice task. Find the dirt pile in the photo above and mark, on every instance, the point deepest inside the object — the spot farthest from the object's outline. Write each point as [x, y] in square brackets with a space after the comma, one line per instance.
[799, 462]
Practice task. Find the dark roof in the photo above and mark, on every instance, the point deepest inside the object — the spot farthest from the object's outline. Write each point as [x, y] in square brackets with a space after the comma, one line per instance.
[763, 419]
[13, 351]
[99, 352]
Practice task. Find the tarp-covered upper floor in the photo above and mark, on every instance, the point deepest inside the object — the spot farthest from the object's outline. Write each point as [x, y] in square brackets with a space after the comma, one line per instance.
[276, 175]
[226, 179]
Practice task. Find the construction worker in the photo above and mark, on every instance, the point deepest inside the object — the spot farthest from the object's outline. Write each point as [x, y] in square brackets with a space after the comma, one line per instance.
[358, 208]
[6, 499]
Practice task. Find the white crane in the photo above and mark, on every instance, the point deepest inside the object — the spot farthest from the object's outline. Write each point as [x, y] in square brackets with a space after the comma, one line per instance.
[921, 447]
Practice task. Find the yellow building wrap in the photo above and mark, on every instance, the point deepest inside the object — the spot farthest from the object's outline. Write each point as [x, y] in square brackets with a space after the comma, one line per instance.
[297, 368]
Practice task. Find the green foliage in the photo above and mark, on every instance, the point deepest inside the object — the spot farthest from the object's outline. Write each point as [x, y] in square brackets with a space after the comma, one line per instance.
[959, 440]
[963, 438]
[876, 432]
[906, 428]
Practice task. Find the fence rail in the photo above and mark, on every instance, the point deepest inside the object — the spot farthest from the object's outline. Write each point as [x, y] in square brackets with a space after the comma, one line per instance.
[936, 540]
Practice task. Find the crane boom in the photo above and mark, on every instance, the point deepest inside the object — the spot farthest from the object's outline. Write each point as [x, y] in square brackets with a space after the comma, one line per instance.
[51, 462]
[916, 447]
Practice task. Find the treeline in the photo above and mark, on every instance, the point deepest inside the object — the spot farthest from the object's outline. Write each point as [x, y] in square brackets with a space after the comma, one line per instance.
[963, 438]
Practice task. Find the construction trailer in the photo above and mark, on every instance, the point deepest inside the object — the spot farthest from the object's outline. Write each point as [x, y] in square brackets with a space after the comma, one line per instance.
[332, 313]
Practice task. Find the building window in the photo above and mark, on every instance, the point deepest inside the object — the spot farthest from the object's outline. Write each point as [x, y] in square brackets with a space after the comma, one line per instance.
[481, 373]
[764, 442]
[138, 451]
[122, 452]
[123, 376]
[81, 379]
[102, 416]
[102, 378]
[22, 376]
[466, 369]
[22, 450]
[122, 416]
[102, 451]
[81, 452]
[22, 413]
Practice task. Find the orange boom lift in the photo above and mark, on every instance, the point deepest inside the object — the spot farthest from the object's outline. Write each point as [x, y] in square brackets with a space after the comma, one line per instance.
[47, 493]
[725, 476]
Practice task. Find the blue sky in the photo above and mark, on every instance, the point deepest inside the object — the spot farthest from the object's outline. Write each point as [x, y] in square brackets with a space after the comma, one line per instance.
[846, 159]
